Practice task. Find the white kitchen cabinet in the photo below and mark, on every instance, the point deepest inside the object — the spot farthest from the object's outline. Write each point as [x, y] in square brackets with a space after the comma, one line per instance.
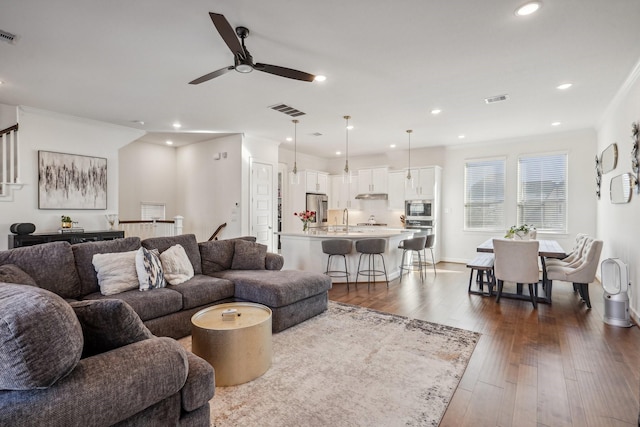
[343, 194]
[373, 180]
[316, 182]
[396, 190]
[424, 182]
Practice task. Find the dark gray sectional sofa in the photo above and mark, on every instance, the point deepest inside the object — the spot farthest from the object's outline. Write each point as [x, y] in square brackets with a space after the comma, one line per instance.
[224, 271]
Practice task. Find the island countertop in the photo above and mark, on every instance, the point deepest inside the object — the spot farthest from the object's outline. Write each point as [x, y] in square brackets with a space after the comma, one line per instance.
[303, 251]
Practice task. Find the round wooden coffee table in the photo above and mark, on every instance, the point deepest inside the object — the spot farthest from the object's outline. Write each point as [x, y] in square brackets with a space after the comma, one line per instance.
[235, 338]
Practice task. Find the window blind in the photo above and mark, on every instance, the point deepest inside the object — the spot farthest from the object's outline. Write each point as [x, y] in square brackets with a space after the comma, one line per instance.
[542, 192]
[484, 182]
[152, 210]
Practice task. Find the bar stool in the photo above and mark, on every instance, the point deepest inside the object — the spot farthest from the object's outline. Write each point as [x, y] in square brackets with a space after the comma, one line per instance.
[370, 248]
[337, 247]
[431, 239]
[415, 244]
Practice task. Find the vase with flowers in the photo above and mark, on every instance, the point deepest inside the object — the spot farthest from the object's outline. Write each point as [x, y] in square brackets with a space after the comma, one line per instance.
[306, 217]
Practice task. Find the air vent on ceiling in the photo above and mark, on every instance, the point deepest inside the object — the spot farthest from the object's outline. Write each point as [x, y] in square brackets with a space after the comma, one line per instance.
[316, 134]
[498, 98]
[7, 37]
[290, 111]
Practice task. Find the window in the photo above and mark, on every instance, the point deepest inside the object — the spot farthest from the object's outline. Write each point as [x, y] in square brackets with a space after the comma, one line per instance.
[150, 210]
[484, 194]
[542, 192]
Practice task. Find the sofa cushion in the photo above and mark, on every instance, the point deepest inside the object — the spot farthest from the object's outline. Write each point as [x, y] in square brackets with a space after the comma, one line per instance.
[149, 269]
[216, 255]
[40, 338]
[147, 305]
[108, 324]
[11, 273]
[276, 288]
[201, 290]
[51, 265]
[84, 252]
[248, 255]
[116, 272]
[200, 386]
[273, 261]
[187, 241]
[176, 265]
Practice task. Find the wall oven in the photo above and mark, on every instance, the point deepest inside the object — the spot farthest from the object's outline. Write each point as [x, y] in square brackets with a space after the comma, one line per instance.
[418, 209]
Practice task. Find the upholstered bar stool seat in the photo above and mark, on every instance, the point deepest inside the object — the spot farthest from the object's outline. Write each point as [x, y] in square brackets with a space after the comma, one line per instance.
[337, 247]
[415, 244]
[370, 248]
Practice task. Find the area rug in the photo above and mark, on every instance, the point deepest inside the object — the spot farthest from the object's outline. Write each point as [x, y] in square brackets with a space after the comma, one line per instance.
[351, 366]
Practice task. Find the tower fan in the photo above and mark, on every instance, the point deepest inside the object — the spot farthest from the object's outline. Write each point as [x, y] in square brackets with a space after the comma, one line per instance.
[615, 282]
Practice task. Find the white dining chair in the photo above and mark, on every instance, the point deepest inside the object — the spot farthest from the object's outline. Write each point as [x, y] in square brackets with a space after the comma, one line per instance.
[516, 261]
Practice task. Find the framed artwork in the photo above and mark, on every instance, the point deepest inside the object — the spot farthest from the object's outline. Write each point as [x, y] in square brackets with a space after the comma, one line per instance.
[70, 181]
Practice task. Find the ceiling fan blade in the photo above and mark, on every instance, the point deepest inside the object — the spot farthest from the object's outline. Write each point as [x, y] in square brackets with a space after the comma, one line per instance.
[227, 33]
[210, 76]
[285, 72]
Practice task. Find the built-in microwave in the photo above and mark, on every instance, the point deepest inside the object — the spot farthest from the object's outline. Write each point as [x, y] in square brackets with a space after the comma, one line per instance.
[418, 209]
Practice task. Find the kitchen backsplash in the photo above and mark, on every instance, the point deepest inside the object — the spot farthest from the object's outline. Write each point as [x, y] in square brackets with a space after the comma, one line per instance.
[377, 208]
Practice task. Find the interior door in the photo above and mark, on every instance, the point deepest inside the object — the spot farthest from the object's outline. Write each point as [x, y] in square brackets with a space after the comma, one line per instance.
[262, 203]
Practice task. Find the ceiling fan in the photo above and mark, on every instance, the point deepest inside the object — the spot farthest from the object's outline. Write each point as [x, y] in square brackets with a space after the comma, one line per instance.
[243, 61]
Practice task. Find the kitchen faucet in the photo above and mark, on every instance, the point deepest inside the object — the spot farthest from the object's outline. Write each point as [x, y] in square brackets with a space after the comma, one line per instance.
[346, 212]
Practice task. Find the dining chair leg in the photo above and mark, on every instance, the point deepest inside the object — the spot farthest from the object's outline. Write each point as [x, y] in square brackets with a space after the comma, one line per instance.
[533, 295]
[499, 293]
[584, 293]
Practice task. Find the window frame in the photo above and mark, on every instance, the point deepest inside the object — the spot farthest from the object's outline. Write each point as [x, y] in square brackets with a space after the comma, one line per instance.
[565, 219]
[497, 227]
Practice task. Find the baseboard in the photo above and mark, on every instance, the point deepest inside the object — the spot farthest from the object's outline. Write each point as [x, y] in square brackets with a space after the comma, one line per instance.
[455, 260]
[635, 317]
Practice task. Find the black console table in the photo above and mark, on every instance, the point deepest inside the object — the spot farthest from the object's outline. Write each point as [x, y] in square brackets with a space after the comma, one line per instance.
[20, 240]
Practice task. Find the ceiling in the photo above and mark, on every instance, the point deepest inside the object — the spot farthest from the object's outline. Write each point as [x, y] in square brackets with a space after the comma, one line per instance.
[388, 64]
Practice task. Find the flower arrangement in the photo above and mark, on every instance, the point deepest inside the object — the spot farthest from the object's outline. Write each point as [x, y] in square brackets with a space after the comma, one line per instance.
[306, 217]
[521, 232]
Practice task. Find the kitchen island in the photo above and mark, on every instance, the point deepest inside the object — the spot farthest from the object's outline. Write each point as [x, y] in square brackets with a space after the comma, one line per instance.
[303, 251]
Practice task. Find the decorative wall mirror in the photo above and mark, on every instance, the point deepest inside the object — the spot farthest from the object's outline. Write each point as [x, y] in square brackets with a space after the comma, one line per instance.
[609, 158]
[620, 188]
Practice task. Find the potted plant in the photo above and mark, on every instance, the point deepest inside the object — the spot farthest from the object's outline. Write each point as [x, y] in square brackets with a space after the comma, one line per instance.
[523, 232]
[66, 221]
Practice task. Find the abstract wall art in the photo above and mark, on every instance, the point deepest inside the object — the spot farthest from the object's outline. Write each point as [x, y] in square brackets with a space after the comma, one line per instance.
[70, 181]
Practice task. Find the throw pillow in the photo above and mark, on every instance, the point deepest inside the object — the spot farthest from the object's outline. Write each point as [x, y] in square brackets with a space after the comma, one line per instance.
[149, 269]
[11, 273]
[40, 338]
[248, 255]
[176, 265]
[217, 255]
[116, 272]
[108, 324]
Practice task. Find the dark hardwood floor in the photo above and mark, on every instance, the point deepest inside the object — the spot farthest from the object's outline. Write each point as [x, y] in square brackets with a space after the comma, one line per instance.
[559, 365]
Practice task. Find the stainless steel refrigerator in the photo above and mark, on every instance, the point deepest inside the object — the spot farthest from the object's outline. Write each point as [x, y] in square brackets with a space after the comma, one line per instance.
[318, 203]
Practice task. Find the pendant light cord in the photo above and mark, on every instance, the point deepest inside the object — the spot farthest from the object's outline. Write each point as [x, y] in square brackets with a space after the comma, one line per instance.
[346, 163]
[295, 146]
[409, 160]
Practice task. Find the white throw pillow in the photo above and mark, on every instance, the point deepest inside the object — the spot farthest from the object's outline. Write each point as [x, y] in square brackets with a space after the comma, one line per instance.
[149, 269]
[116, 272]
[176, 265]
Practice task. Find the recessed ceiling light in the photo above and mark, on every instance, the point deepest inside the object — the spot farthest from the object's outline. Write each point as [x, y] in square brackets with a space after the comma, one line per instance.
[1, 82]
[564, 86]
[138, 122]
[349, 127]
[169, 142]
[338, 153]
[528, 8]
[392, 146]
[461, 137]
[320, 78]
[289, 139]
[556, 124]
[177, 125]
[436, 111]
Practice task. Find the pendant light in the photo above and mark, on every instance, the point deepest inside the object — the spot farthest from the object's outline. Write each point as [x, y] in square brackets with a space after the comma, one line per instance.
[346, 173]
[294, 177]
[409, 181]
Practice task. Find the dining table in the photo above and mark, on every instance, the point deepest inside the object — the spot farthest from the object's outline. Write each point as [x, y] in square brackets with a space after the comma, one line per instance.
[546, 249]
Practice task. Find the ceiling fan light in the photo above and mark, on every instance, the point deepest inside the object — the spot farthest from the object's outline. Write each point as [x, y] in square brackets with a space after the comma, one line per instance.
[244, 68]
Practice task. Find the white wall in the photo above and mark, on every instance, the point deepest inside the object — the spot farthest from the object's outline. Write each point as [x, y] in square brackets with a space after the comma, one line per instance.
[147, 173]
[43, 130]
[619, 225]
[210, 191]
[8, 116]
[459, 245]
